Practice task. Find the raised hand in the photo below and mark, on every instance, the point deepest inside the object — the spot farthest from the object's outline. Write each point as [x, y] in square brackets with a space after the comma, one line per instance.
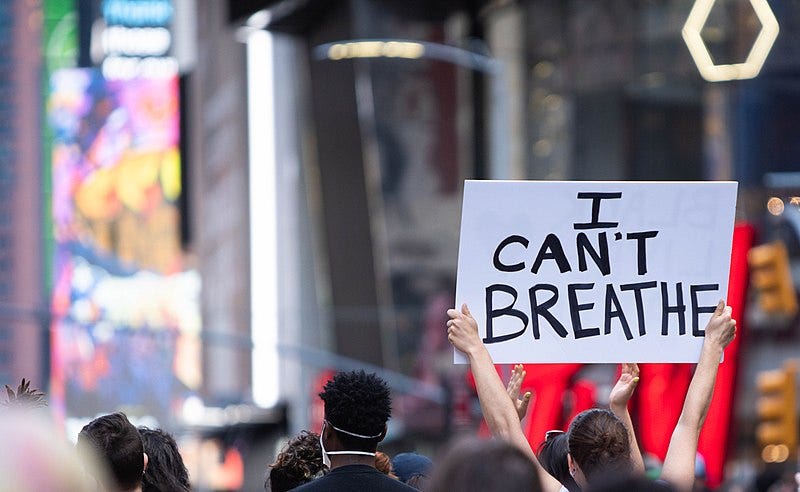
[514, 385]
[462, 330]
[622, 391]
[721, 328]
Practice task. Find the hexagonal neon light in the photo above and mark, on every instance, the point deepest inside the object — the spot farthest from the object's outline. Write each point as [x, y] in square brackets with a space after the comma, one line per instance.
[734, 71]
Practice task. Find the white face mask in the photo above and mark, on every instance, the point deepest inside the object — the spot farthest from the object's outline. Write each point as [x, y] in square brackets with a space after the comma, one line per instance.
[326, 459]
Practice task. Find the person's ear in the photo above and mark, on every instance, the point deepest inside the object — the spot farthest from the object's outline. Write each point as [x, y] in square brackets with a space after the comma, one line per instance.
[146, 460]
[383, 434]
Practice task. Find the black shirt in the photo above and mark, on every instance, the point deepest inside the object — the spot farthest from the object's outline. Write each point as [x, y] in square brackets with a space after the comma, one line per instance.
[355, 477]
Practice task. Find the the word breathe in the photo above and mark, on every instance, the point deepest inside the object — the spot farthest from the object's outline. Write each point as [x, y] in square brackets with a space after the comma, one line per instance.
[514, 254]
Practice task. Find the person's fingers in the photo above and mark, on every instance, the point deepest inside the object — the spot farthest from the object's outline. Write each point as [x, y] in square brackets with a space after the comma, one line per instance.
[465, 310]
[526, 400]
[720, 307]
[450, 323]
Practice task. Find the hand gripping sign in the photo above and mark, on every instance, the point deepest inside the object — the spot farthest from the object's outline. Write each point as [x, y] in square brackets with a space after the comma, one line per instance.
[594, 271]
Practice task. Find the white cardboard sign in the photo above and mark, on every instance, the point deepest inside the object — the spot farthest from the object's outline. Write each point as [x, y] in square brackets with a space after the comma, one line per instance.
[594, 271]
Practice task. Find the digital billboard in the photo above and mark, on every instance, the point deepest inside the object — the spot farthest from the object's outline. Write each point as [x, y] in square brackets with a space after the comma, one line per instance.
[125, 304]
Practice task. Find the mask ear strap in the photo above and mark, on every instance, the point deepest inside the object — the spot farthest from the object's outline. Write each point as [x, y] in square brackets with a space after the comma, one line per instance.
[360, 453]
[362, 436]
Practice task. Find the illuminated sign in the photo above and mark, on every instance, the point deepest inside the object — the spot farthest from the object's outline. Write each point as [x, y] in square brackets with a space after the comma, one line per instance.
[136, 38]
[125, 308]
[734, 71]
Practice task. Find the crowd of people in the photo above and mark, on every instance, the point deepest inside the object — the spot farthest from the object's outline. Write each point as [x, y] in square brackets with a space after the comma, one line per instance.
[598, 452]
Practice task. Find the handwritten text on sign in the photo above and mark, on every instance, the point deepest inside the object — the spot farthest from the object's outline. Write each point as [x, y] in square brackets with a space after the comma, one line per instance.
[594, 271]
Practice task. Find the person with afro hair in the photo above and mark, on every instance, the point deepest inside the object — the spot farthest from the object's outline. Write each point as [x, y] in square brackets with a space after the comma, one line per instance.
[357, 407]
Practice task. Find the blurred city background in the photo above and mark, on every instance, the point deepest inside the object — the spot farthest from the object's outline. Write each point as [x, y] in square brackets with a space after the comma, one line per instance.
[208, 206]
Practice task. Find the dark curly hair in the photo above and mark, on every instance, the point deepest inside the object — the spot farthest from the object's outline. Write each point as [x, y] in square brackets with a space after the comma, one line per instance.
[360, 403]
[165, 468]
[299, 462]
[598, 442]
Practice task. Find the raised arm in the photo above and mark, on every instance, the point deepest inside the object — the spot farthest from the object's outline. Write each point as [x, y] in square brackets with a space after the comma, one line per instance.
[618, 400]
[498, 409]
[679, 463]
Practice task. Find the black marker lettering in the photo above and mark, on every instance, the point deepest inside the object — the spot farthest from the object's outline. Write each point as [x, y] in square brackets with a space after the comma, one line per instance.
[637, 292]
[505, 242]
[600, 259]
[615, 312]
[641, 248]
[551, 250]
[679, 308]
[543, 310]
[596, 197]
[492, 313]
[575, 311]
[696, 310]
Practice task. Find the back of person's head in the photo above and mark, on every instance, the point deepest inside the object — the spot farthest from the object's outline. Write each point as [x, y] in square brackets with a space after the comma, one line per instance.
[628, 483]
[409, 465]
[299, 462]
[475, 465]
[357, 403]
[165, 467]
[116, 442]
[34, 458]
[598, 443]
[384, 464]
[552, 455]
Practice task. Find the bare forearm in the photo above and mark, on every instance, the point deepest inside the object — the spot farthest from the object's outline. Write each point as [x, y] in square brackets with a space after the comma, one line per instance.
[497, 407]
[499, 411]
[678, 467]
[701, 388]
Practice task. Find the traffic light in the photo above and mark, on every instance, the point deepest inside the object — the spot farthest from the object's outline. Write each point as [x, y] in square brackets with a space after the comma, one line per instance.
[771, 276]
[776, 408]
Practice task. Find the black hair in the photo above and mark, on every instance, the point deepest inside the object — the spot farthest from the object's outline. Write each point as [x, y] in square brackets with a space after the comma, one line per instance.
[299, 462]
[552, 455]
[360, 403]
[116, 443]
[165, 468]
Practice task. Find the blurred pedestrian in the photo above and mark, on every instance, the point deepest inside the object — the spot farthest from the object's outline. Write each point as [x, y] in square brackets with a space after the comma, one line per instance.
[384, 464]
[34, 458]
[298, 462]
[408, 466]
[165, 467]
[476, 465]
[118, 446]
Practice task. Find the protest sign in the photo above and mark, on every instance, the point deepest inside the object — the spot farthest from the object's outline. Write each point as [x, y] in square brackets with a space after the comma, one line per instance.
[594, 271]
